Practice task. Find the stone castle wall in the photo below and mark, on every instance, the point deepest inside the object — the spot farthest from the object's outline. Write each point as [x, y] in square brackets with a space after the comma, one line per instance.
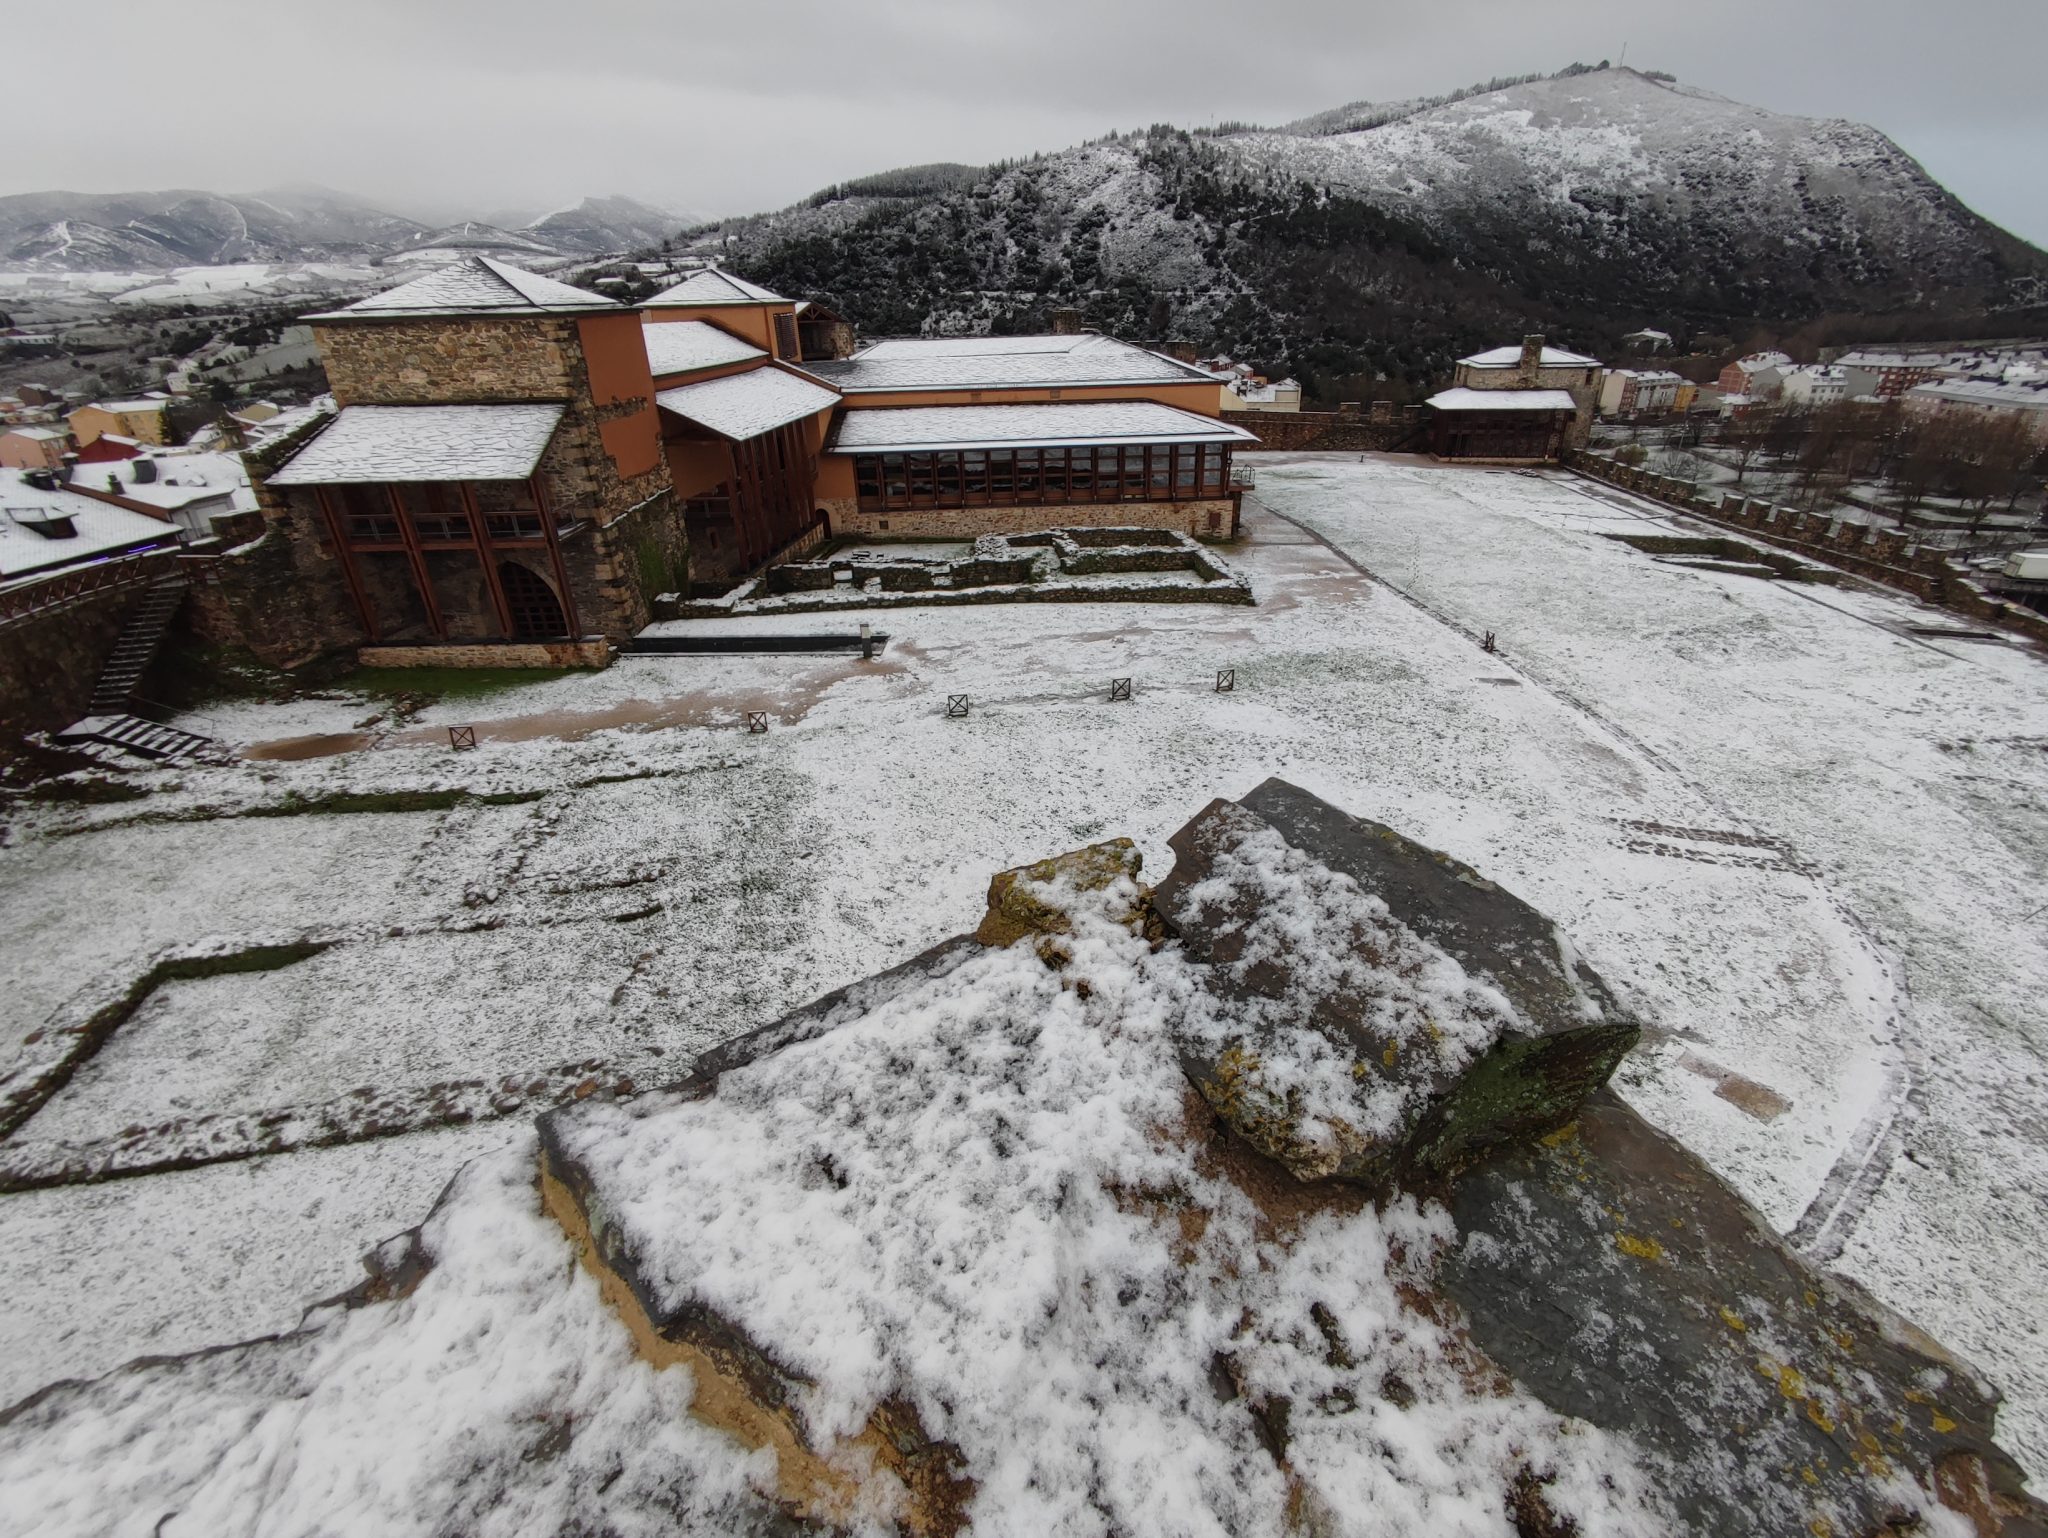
[1883, 555]
[437, 361]
[51, 659]
[595, 653]
[1212, 519]
[1332, 431]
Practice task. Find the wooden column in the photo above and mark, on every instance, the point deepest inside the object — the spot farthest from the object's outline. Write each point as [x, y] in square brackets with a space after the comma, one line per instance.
[337, 530]
[547, 524]
[410, 537]
[485, 555]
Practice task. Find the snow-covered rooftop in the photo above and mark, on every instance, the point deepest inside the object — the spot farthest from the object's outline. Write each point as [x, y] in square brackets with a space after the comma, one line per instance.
[1002, 362]
[124, 407]
[682, 346]
[100, 528]
[425, 443]
[2009, 394]
[747, 405]
[40, 434]
[917, 428]
[1509, 357]
[180, 479]
[713, 287]
[1757, 361]
[476, 285]
[1463, 399]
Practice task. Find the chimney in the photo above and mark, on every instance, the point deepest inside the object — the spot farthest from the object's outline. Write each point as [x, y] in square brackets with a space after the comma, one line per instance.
[1066, 322]
[1531, 360]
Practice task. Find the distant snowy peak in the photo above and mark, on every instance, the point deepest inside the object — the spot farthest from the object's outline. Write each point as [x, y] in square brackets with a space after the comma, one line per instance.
[597, 226]
[157, 231]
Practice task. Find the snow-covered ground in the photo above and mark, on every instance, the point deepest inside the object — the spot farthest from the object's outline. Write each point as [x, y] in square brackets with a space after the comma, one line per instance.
[1804, 843]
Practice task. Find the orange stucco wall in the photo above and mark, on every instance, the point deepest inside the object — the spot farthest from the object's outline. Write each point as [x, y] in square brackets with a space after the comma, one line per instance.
[616, 359]
[697, 465]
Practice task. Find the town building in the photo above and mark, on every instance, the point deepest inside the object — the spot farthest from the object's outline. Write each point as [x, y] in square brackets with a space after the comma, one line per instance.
[1757, 375]
[1811, 386]
[190, 490]
[1648, 342]
[1523, 404]
[45, 527]
[142, 420]
[33, 448]
[1888, 373]
[107, 447]
[2018, 394]
[1626, 392]
[1246, 389]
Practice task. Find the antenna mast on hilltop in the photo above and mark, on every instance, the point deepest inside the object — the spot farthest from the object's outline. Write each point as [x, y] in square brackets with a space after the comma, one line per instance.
[1624, 54]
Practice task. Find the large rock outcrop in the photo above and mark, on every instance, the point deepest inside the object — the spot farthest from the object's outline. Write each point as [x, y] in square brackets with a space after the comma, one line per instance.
[1314, 923]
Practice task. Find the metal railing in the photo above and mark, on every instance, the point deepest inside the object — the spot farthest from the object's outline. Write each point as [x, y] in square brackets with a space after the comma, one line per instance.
[36, 595]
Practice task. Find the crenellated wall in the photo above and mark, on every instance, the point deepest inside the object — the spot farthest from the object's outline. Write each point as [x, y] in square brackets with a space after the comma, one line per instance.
[1883, 555]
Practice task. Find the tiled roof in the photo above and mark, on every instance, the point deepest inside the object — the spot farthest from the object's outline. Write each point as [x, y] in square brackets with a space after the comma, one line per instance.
[476, 285]
[1002, 362]
[424, 443]
[681, 346]
[712, 286]
[915, 428]
[1509, 357]
[1462, 399]
[747, 405]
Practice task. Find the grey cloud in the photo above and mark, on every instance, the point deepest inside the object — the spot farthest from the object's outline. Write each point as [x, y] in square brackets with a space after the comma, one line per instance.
[454, 105]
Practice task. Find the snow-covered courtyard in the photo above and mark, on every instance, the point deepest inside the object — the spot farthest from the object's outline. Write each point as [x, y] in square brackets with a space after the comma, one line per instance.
[1805, 842]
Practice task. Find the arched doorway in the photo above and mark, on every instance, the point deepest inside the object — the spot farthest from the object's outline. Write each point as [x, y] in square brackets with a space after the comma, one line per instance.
[536, 612]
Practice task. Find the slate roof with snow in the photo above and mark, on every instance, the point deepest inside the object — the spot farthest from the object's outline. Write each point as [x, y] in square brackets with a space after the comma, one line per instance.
[1463, 399]
[1002, 362]
[712, 287]
[923, 428]
[1510, 357]
[683, 346]
[424, 443]
[101, 529]
[747, 405]
[476, 285]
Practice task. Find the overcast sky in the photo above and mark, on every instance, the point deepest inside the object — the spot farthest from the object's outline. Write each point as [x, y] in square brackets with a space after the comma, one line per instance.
[434, 107]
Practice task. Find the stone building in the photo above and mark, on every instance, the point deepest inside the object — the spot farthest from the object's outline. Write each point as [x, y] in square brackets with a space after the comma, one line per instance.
[518, 463]
[1516, 404]
[494, 474]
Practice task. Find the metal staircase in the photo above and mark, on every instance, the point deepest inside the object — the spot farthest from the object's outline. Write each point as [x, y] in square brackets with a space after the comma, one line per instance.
[144, 739]
[141, 636]
[111, 719]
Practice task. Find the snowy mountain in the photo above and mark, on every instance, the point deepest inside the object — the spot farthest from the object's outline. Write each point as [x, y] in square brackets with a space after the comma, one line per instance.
[78, 232]
[600, 226]
[1386, 238]
[156, 231]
